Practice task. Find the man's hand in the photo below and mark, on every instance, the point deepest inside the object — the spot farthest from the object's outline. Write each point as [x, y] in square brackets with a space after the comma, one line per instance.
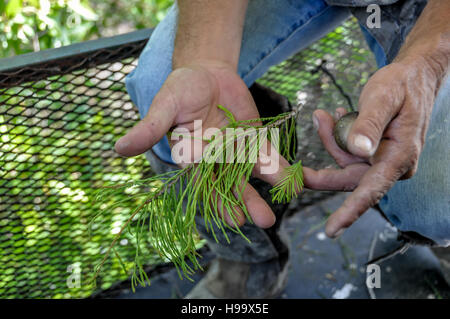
[385, 140]
[204, 75]
[192, 93]
[395, 106]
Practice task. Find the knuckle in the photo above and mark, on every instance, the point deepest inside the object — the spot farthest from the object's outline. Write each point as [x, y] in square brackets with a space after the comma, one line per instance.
[411, 172]
[405, 162]
[346, 220]
[385, 96]
[372, 196]
[376, 197]
[410, 157]
[349, 187]
[381, 92]
[371, 127]
[408, 175]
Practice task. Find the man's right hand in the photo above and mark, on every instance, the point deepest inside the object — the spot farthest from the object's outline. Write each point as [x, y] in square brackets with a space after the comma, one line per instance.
[192, 93]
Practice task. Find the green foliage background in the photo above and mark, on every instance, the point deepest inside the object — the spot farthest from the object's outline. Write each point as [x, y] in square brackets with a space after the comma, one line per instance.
[35, 245]
[32, 25]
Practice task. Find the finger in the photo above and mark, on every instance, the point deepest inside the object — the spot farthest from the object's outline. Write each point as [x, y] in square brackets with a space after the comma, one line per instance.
[325, 124]
[378, 105]
[340, 111]
[258, 209]
[152, 128]
[378, 179]
[331, 179]
[229, 210]
[233, 215]
[326, 179]
[270, 165]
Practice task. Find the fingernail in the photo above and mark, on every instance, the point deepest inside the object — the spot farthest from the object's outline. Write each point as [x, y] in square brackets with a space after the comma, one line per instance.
[121, 144]
[337, 115]
[315, 122]
[339, 233]
[364, 143]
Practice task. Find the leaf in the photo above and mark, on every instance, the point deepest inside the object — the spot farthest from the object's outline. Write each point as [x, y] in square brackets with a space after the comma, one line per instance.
[2, 6]
[45, 7]
[83, 10]
[13, 7]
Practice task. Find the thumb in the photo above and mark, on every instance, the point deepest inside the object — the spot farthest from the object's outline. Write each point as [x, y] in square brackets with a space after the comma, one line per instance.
[377, 107]
[152, 128]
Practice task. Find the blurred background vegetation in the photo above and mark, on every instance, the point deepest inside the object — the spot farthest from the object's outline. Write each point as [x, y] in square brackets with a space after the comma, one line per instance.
[33, 25]
[46, 189]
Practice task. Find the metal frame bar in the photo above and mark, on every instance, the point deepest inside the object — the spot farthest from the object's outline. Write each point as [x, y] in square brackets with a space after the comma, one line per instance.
[25, 60]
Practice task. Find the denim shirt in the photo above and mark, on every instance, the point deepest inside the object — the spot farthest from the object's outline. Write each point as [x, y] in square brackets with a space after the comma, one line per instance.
[397, 19]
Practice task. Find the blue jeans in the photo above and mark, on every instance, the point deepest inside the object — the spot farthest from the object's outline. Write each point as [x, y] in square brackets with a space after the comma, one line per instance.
[273, 31]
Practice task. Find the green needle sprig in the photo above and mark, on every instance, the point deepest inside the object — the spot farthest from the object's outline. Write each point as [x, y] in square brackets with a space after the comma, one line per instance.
[291, 183]
[165, 219]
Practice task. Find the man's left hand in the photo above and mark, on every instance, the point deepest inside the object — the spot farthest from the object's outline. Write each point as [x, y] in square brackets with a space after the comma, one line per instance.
[385, 141]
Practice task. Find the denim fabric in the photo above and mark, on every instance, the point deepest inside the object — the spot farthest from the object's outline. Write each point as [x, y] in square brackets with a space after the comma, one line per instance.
[397, 20]
[273, 31]
[375, 47]
[422, 203]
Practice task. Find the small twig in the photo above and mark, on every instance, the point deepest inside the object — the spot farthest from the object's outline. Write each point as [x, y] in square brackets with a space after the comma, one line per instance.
[333, 79]
[371, 251]
[290, 115]
[400, 250]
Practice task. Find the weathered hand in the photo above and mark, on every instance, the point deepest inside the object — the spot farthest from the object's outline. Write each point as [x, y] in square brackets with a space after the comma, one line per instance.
[385, 140]
[192, 93]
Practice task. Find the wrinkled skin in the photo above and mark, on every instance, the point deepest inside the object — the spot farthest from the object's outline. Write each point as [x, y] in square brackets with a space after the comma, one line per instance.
[394, 111]
[192, 93]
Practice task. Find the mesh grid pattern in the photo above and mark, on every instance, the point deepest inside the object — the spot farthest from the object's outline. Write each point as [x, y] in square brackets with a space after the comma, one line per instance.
[58, 124]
